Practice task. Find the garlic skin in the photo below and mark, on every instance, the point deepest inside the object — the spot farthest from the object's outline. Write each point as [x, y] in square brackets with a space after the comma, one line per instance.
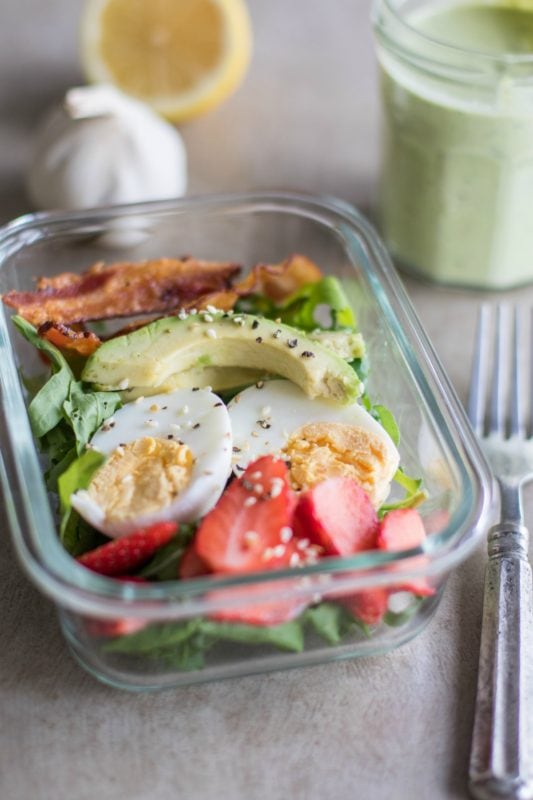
[102, 147]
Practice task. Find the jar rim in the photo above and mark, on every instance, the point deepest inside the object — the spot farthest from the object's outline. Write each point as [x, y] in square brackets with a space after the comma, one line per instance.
[388, 12]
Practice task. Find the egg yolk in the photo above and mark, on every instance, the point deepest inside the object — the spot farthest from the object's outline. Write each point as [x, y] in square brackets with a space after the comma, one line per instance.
[141, 477]
[324, 450]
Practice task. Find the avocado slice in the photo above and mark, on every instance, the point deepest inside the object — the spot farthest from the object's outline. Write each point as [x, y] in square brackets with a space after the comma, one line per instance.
[149, 355]
[219, 379]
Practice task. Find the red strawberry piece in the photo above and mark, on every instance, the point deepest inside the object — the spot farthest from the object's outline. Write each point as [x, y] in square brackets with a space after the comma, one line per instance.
[403, 529]
[337, 515]
[369, 605]
[111, 628]
[191, 565]
[121, 556]
[244, 532]
[273, 612]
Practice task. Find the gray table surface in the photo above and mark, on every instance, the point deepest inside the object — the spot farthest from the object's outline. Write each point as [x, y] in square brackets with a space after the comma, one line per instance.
[377, 728]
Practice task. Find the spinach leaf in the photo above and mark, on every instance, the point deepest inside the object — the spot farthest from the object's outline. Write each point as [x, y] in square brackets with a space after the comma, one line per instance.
[331, 621]
[86, 411]
[77, 476]
[164, 565]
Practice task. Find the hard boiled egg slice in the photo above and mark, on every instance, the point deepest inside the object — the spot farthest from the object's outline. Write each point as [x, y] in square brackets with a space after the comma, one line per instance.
[168, 458]
[318, 438]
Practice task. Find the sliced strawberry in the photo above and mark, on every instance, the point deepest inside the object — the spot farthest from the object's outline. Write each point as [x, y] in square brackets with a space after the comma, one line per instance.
[337, 515]
[274, 612]
[369, 605]
[111, 628]
[403, 529]
[244, 531]
[121, 556]
[191, 565]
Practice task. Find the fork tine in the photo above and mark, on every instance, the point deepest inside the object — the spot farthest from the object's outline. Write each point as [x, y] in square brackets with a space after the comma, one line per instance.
[517, 418]
[497, 410]
[478, 381]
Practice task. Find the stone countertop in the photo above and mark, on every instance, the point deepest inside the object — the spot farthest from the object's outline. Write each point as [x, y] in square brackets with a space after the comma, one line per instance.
[375, 728]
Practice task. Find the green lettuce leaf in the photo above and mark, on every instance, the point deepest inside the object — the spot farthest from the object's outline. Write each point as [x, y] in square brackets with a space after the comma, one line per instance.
[73, 532]
[300, 308]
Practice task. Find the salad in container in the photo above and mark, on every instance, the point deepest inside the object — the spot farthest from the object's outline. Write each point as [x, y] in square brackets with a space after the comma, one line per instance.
[230, 446]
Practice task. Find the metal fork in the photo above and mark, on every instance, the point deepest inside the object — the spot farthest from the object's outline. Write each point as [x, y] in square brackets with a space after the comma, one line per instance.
[500, 762]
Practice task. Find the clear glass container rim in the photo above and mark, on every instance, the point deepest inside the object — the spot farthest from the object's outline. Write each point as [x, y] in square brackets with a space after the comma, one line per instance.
[387, 13]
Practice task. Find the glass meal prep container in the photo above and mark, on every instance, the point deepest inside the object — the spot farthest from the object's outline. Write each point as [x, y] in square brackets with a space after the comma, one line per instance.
[167, 639]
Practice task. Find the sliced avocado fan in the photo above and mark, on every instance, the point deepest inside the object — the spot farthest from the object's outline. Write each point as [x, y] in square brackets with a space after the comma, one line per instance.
[150, 355]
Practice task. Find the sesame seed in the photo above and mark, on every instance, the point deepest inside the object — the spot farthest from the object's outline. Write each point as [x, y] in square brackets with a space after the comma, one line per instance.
[155, 407]
[259, 339]
[193, 311]
[250, 501]
[279, 550]
[211, 333]
[127, 479]
[278, 320]
[119, 450]
[175, 426]
[229, 312]
[184, 409]
[250, 537]
[207, 318]
[264, 424]
[211, 309]
[266, 411]
[276, 334]
[259, 384]
[182, 314]
[292, 343]
[238, 320]
[255, 434]
[255, 324]
[268, 554]
[255, 476]
[294, 560]
[307, 354]
[276, 490]
[208, 388]
[285, 534]
[259, 488]
[152, 423]
[303, 544]
[124, 384]
[138, 400]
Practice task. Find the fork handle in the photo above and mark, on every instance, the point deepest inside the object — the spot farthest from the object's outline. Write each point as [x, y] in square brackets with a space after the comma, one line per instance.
[500, 764]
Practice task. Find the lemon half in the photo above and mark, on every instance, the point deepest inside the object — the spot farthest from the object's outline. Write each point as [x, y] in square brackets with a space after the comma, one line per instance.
[181, 57]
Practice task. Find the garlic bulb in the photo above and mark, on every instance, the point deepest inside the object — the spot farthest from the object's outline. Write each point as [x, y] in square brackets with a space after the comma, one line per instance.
[102, 147]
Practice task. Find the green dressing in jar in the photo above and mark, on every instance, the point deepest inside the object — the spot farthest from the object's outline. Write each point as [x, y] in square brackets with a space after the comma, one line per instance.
[456, 195]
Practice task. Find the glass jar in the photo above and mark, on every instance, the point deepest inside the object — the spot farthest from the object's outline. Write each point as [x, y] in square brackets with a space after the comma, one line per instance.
[456, 186]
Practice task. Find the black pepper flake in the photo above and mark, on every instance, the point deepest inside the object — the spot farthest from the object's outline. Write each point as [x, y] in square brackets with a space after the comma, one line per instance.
[111, 424]
[264, 424]
[236, 449]
[170, 436]
[277, 334]
[196, 426]
[259, 340]
[122, 444]
[246, 484]
[218, 404]
[196, 388]
[164, 408]
[255, 324]
[259, 384]
[292, 343]
[241, 469]
[307, 354]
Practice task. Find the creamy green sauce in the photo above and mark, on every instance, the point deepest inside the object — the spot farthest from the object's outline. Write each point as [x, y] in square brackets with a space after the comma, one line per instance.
[457, 189]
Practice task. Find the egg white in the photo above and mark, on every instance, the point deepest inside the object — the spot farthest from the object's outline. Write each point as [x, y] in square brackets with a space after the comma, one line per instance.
[200, 420]
[264, 417]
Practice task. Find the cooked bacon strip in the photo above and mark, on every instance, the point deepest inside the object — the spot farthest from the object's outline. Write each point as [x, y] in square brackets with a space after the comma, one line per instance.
[120, 290]
[279, 281]
[66, 338]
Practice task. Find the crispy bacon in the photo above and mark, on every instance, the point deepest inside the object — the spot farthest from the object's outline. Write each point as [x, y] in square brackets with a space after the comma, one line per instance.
[119, 290]
[67, 338]
[279, 281]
